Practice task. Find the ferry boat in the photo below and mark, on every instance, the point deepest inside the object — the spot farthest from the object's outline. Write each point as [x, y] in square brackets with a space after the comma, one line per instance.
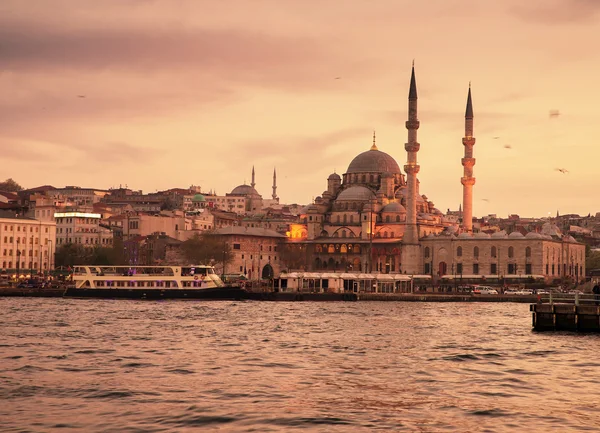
[150, 282]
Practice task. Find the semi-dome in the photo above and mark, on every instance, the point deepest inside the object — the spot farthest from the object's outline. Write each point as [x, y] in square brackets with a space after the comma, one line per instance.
[373, 161]
[244, 190]
[394, 207]
[198, 198]
[356, 193]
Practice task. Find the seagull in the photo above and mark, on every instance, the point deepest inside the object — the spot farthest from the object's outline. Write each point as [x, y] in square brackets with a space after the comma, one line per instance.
[337, 78]
[495, 138]
[485, 199]
[562, 170]
[554, 113]
[507, 146]
[81, 96]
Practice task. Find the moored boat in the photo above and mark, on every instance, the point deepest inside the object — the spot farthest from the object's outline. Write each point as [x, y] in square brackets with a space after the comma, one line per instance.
[150, 282]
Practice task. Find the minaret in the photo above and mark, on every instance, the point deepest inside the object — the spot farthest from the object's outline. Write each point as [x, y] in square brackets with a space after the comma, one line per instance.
[411, 251]
[274, 196]
[253, 183]
[411, 235]
[468, 162]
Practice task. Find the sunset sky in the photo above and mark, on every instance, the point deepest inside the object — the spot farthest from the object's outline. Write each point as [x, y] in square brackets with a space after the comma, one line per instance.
[155, 94]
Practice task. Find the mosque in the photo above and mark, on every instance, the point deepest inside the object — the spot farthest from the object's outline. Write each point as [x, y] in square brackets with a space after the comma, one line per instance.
[374, 219]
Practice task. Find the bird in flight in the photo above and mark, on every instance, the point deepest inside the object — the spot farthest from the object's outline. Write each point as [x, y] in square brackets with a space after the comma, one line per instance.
[337, 78]
[554, 113]
[81, 96]
[507, 146]
[485, 199]
[495, 138]
[562, 170]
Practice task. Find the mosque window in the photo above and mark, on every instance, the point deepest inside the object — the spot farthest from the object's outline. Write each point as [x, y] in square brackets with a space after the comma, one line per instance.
[511, 252]
[345, 218]
[331, 248]
[364, 178]
[392, 235]
[494, 253]
[387, 218]
[385, 234]
[426, 252]
[476, 254]
[459, 251]
[371, 178]
[343, 233]
[343, 248]
[397, 218]
[528, 253]
[338, 219]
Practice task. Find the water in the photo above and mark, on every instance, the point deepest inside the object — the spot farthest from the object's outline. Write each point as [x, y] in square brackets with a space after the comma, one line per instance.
[136, 366]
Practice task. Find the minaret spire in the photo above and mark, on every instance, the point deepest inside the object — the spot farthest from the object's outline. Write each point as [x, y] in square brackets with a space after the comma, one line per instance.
[252, 183]
[274, 196]
[468, 162]
[411, 235]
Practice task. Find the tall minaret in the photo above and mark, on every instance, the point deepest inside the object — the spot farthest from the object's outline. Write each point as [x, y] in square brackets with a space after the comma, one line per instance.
[274, 196]
[468, 162]
[411, 235]
[253, 183]
[411, 252]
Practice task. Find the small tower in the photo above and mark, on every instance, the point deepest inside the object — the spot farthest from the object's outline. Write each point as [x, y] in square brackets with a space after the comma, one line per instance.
[252, 184]
[274, 196]
[468, 162]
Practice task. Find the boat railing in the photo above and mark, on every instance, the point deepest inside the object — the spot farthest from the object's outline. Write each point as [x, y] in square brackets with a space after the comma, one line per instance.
[569, 298]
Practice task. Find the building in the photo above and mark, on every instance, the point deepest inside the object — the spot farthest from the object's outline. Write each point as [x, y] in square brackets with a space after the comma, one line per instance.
[26, 245]
[81, 228]
[373, 218]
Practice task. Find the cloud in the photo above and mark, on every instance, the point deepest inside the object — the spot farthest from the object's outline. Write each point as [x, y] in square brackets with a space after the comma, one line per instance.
[557, 12]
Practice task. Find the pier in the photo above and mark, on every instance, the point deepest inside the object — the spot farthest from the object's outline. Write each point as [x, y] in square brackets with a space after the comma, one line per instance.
[566, 312]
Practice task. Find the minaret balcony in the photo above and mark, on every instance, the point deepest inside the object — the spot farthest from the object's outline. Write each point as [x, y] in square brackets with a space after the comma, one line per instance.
[467, 181]
[412, 147]
[468, 141]
[468, 162]
[412, 124]
[412, 169]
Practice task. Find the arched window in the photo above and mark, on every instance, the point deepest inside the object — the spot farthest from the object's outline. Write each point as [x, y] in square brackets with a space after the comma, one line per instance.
[343, 248]
[318, 249]
[338, 219]
[528, 252]
[392, 235]
[387, 218]
[426, 252]
[385, 234]
[494, 253]
[476, 252]
[397, 218]
[371, 178]
[459, 251]
[511, 252]
[364, 178]
[345, 218]
[343, 233]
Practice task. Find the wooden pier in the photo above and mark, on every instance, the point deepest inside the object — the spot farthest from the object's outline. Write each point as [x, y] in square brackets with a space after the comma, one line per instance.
[577, 313]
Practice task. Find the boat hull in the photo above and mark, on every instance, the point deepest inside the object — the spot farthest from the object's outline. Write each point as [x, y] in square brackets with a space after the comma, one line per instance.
[217, 293]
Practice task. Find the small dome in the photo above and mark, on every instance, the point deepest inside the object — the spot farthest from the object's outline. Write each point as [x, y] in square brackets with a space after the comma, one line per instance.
[465, 235]
[244, 190]
[570, 239]
[356, 193]
[533, 235]
[516, 235]
[198, 198]
[394, 207]
[334, 176]
[373, 161]
[481, 235]
[500, 234]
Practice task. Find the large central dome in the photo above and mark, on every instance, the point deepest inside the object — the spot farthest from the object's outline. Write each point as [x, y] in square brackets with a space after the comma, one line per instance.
[373, 161]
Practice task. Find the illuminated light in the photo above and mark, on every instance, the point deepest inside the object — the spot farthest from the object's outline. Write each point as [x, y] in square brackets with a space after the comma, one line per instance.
[77, 214]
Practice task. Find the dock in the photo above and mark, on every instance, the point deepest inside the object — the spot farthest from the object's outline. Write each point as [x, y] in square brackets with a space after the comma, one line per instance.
[575, 313]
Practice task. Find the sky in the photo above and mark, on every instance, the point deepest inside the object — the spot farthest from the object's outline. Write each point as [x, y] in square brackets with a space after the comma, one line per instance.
[155, 94]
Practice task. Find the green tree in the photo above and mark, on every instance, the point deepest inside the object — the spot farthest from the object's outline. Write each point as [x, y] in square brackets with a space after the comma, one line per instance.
[75, 254]
[9, 185]
[207, 248]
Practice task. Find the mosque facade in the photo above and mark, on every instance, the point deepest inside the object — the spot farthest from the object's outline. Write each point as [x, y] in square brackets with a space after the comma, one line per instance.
[373, 218]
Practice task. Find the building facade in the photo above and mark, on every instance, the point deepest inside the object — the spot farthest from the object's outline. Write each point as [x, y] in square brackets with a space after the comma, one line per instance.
[27, 245]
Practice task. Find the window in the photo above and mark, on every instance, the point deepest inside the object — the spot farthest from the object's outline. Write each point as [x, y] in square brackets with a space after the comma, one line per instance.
[236, 247]
[528, 268]
[459, 251]
[475, 268]
[459, 268]
[493, 268]
[528, 253]
[426, 252]
[511, 252]
[494, 253]
[476, 255]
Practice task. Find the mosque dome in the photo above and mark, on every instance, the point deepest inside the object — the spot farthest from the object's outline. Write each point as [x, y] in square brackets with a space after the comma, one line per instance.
[356, 193]
[373, 161]
[244, 190]
[334, 176]
[515, 235]
[481, 235]
[533, 235]
[465, 235]
[394, 207]
[500, 234]
[198, 198]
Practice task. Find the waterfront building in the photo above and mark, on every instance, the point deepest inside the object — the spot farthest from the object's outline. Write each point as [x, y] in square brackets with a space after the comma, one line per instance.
[81, 228]
[373, 218]
[27, 245]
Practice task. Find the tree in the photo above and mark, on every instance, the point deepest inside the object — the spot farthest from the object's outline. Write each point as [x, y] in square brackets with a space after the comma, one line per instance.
[9, 185]
[293, 256]
[207, 248]
[592, 261]
[75, 254]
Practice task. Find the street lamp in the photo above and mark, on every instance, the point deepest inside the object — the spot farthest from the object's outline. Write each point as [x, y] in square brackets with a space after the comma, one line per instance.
[50, 257]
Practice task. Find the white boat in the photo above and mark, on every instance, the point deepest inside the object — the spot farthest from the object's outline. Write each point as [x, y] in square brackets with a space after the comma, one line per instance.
[150, 282]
